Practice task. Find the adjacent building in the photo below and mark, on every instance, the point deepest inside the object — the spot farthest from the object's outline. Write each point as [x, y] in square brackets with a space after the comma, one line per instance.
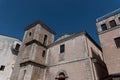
[109, 33]
[9, 48]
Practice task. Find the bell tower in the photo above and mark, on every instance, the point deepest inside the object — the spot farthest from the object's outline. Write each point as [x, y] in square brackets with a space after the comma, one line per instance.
[33, 57]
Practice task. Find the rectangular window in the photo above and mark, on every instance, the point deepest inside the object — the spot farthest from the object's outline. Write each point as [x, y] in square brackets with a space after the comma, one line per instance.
[62, 48]
[117, 42]
[103, 27]
[45, 40]
[2, 67]
[113, 23]
[43, 53]
[119, 18]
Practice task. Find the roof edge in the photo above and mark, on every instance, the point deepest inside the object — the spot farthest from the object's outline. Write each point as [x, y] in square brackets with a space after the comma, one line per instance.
[42, 24]
[93, 41]
[117, 11]
[10, 37]
[73, 36]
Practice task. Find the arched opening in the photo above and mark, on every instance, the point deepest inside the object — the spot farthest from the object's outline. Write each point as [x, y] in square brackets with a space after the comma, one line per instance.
[61, 76]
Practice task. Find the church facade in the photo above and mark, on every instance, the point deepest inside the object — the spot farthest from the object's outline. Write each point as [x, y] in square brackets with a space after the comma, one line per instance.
[68, 58]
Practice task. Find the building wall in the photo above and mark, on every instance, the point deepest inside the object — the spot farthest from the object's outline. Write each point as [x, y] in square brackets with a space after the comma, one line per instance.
[7, 56]
[73, 51]
[75, 70]
[75, 61]
[110, 51]
[97, 64]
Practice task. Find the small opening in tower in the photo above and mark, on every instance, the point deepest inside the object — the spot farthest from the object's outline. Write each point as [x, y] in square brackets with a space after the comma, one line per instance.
[43, 53]
[45, 39]
[30, 34]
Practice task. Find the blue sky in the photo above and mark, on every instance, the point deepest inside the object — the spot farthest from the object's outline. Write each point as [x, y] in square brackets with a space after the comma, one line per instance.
[63, 16]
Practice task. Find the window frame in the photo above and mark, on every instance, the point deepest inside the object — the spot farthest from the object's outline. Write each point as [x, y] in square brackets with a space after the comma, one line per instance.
[112, 23]
[117, 42]
[17, 47]
[62, 48]
[43, 53]
[103, 27]
[45, 39]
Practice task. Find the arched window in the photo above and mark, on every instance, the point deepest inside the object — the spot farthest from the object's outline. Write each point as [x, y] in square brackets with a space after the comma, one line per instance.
[61, 76]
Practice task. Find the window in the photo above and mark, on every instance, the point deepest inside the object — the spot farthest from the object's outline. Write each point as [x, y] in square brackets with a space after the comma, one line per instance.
[103, 27]
[45, 40]
[62, 48]
[117, 42]
[30, 34]
[43, 54]
[2, 67]
[119, 19]
[61, 76]
[113, 23]
[17, 47]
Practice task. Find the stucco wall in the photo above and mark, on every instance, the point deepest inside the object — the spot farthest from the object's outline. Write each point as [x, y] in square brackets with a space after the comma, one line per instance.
[74, 71]
[73, 50]
[77, 59]
[7, 58]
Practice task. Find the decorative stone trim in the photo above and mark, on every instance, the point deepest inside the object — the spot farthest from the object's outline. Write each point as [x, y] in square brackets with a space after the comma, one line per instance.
[62, 71]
